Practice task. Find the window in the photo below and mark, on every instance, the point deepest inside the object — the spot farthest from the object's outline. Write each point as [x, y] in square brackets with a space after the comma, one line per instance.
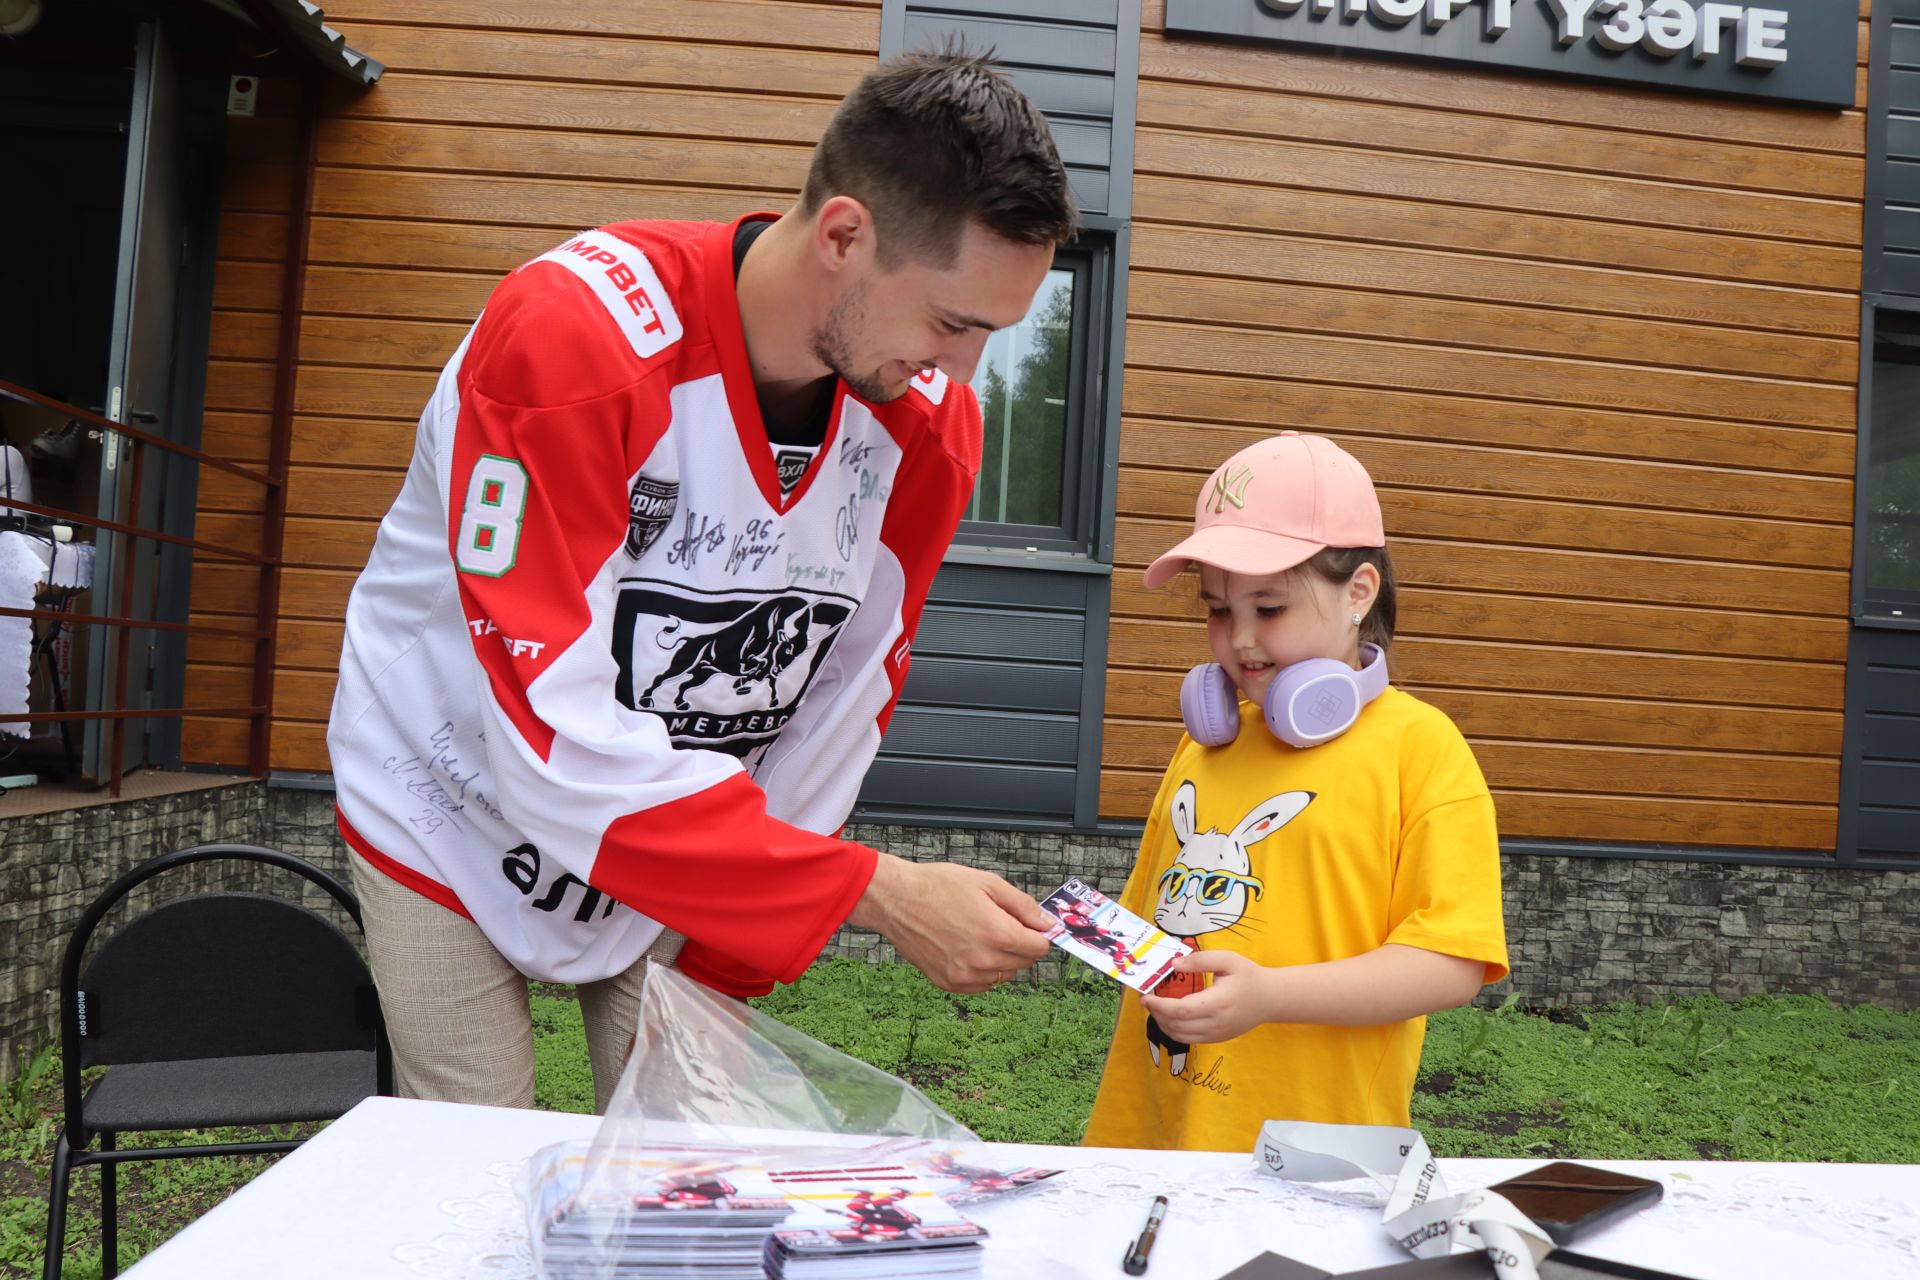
[1890, 570]
[1033, 385]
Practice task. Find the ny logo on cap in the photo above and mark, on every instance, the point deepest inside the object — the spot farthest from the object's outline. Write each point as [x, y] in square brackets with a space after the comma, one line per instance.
[1231, 486]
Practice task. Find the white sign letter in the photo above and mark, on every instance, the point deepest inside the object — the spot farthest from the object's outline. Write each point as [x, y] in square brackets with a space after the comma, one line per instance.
[1499, 17]
[1573, 18]
[1397, 12]
[1670, 27]
[1713, 16]
[1763, 38]
[1625, 29]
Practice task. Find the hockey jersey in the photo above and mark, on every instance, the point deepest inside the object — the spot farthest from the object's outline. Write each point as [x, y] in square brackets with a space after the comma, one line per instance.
[616, 662]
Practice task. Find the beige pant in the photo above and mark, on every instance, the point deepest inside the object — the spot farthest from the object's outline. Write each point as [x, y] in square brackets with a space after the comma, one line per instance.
[457, 1011]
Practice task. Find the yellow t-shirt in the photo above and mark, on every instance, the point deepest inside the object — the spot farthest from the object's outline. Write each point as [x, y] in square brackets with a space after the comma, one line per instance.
[1386, 834]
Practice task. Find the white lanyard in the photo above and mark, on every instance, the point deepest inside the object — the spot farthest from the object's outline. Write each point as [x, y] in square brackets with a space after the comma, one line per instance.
[1420, 1215]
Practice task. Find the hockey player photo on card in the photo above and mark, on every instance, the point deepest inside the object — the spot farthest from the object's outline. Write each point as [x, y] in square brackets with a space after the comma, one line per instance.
[958, 1183]
[1098, 930]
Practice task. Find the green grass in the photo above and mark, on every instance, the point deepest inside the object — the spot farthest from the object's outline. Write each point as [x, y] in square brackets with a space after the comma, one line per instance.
[1789, 1078]
[1017, 1064]
[1765, 1079]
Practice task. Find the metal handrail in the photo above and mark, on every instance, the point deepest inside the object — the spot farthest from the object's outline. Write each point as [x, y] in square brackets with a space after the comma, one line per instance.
[133, 624]
[261, 634]
[137, 713]
[136, 531]
[25, 395]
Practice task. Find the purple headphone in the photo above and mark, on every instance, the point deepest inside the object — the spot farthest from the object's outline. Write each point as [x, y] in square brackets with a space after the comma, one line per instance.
[1307, 704]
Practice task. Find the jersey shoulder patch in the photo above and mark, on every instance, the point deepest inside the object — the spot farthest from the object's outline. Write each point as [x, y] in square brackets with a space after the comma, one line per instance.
[626, 284]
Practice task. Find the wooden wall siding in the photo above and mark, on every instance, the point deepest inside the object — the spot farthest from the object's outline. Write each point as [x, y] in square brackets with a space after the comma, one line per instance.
[1599, 348]
[497, 130]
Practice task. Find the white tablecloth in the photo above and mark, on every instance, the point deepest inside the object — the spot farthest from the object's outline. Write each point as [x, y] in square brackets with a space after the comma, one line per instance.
[400, 1188]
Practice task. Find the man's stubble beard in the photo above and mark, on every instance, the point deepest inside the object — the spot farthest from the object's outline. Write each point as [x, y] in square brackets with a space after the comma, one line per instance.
[830, 346]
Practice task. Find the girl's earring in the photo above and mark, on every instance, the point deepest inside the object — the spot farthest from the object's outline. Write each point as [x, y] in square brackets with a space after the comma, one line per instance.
[1356, 619]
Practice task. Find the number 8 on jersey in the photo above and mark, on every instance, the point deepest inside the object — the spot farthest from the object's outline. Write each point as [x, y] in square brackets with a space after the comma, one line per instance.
[496, 501]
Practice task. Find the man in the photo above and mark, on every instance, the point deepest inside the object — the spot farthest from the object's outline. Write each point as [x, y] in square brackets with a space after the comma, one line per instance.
[629, 636]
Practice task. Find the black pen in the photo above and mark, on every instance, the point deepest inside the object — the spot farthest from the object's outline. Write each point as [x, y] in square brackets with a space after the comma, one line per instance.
[1136, 1260]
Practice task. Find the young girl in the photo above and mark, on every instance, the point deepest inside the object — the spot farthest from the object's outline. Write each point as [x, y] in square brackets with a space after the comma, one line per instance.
[1325, 841]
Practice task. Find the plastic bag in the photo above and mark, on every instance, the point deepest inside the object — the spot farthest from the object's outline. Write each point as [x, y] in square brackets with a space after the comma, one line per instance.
[715, 1101]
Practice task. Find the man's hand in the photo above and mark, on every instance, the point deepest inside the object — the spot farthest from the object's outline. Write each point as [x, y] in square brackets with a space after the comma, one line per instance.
[1239, 1000]
[965, 928]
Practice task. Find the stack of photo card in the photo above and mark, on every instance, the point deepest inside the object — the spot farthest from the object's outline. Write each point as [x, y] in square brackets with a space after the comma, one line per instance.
[678, 1213]
[1098, 930]
[874, 1222]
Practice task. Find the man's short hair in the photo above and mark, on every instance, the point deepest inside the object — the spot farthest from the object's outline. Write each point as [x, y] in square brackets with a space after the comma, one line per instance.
[929, 142]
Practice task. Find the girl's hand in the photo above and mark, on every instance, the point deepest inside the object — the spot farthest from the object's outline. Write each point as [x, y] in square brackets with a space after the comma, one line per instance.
[1240, 999]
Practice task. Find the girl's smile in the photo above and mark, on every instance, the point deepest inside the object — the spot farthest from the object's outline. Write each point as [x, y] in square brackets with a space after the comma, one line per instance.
[1259, 624]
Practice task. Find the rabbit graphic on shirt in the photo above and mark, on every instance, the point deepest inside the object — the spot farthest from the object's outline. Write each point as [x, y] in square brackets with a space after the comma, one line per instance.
[1208, 889]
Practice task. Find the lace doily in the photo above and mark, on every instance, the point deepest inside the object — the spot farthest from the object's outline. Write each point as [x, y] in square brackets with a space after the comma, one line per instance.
[1880, 1227]
[488, 1236]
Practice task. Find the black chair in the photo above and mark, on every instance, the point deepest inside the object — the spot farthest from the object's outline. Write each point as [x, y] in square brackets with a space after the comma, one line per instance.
[212, 1008]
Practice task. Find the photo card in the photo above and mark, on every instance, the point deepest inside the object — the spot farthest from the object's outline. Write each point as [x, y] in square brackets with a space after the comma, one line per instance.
[1098, 930]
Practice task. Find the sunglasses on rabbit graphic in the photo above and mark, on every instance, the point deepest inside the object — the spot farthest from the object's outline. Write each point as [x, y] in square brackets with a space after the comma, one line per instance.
[1211, 885]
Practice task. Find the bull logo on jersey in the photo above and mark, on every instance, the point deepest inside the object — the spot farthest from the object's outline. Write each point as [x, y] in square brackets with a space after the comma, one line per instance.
[724, 670]
[649, 509]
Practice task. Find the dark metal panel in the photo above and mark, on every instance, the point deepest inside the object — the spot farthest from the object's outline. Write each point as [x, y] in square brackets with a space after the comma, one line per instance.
[1893, 689]
[191, 338]
[1899, 10]
[1000, 643]
[1071, 93]
[1093, 710]
[1899, 273]
[1002, 633]
[1903, 89]
[1880, 758]
[1090, 187]
[1889, 737]
[1903, 137]
[959, 584]
[991, 737]
[1874, 216]
[1103, 13]
[1900, 228]
[927, 786]
[1902, 182]
[1089, 144]
[1903, 47]
[1894, 785]
[1890, 833]
[1126, 94]
[957, 682]
[1031, 44]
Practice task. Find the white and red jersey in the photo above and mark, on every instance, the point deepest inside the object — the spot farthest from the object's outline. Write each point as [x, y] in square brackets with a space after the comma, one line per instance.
[604, 671]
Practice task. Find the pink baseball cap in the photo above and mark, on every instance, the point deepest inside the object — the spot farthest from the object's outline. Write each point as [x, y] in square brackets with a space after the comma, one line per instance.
[1274, 504]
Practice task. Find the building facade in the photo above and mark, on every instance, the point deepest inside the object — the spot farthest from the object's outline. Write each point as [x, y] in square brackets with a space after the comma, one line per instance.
[1600, 344]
